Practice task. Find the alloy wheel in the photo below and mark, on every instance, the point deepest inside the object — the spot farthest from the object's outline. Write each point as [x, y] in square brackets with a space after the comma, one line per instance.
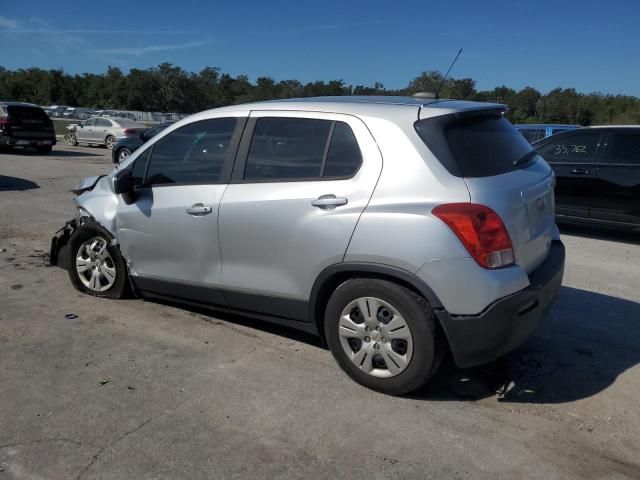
[95, 266]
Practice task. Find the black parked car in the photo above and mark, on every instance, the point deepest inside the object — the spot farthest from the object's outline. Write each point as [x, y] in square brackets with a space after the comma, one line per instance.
[26, 125]
[126, 146]
[597, 173]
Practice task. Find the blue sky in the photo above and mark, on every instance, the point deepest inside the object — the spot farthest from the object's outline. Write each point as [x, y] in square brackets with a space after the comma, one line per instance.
[588, 45]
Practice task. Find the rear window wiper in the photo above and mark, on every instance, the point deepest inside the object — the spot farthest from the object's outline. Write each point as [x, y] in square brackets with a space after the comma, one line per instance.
[525, 159]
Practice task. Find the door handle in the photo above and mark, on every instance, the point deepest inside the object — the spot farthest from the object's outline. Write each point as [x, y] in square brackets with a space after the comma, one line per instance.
[580, 171]
[198, 209]
[328, 202]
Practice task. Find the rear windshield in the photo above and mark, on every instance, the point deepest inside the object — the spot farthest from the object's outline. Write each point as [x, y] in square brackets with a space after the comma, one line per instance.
[476, 145]
[27, 115]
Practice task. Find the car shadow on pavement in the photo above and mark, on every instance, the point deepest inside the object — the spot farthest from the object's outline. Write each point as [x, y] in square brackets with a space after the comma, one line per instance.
[602, 233]
[212, 315]
[8, 184]
[588, 340]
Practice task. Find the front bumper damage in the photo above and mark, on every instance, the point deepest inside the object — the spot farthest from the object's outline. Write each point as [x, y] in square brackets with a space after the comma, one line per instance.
[59, 251]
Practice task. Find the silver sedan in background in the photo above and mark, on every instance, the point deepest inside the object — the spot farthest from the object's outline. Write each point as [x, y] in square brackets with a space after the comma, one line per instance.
[104, 131]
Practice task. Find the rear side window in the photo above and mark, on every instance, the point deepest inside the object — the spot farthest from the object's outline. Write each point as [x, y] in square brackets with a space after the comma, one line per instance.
[27, 115]
[286, 149]
[623, 148]
[477, 145]
[344, 157]
[577, 147]
[101, 122]
[195, 153]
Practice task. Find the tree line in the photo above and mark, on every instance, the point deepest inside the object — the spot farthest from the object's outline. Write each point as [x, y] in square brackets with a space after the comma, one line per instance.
[169, 88]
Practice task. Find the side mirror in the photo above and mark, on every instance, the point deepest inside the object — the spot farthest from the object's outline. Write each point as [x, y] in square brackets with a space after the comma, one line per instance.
[123, 185]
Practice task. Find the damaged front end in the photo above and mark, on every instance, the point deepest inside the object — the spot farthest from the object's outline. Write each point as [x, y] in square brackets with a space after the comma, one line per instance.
[94, 194]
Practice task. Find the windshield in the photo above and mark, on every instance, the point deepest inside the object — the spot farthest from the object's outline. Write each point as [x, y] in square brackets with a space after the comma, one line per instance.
[479, 145]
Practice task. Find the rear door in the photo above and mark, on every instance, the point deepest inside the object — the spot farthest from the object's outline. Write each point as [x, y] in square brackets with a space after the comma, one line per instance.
[299, 185]
[101, 130]
[616, 194]
[573, 156]
[169, 235]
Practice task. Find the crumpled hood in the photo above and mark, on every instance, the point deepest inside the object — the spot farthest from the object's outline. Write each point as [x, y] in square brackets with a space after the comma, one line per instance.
[86, 184]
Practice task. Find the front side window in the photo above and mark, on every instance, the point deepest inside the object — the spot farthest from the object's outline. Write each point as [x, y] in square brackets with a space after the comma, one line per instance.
[301, 149]
[623, 148]
[195, 153]
[579, 147]
[140, 167]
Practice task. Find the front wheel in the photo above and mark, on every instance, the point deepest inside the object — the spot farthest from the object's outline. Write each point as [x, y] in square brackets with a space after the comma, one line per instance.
[96, 266]
[383, 335]
[123, 154]
[110, 141]
[71, 139]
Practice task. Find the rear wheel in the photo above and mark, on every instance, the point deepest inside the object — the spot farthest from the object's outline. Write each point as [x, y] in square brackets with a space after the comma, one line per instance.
[110, 141]
[96, 266]
[383, 335]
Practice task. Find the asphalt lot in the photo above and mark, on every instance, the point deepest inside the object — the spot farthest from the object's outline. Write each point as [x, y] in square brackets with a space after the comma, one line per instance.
[135, 389]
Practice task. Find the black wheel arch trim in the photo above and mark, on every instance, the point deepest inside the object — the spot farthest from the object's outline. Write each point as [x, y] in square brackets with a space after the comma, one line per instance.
[321, 290]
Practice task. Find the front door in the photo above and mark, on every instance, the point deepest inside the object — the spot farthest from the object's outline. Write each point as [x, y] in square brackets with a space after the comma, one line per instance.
[573, 157]
[299, 185]
[169, 235]
[84, 132]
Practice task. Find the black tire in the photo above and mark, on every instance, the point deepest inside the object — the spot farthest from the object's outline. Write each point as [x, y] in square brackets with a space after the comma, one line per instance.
[87, 231]
[428, 343]
[44, 150]
[122, 154]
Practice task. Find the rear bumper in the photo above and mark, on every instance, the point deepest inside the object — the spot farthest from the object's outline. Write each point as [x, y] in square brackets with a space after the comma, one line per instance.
[508, 322]
[27, 141]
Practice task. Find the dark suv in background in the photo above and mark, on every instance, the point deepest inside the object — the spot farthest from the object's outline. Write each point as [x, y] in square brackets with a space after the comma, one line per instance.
[26, 125]
[597, 174]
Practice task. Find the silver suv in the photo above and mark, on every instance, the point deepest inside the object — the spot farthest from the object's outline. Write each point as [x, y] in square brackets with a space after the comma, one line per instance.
[395, 228]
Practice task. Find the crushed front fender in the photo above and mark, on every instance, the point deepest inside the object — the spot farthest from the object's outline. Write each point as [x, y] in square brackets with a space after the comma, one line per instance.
[59, 251]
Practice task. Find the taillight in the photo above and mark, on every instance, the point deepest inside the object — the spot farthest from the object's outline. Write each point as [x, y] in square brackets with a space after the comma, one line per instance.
[4, 123]
[481, 231]
[130, 131]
